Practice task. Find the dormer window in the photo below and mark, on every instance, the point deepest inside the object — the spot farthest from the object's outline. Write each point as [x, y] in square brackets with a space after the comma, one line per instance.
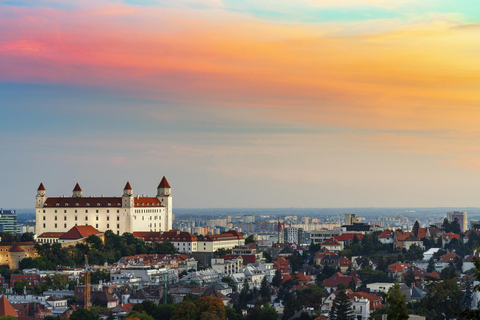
[88, 204]
[109, 204]
[98, 204]
[76, 204]
[58, 204]
[66, 204]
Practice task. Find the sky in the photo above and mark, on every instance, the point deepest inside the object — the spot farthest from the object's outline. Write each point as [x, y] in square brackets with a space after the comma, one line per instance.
[252, 103]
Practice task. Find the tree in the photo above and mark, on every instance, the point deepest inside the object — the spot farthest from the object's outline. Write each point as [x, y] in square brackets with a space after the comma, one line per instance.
[277, 279]
[134, 315]
[410, 278]
[250, 239]
[342, 307]
[414, 253]
[416, 226]
[431, 265]
[185, 310]
[267, 312]
[265, 289]
[211, 307]
[8, 318]
[467, 297]
[396, 302]
[84, 314]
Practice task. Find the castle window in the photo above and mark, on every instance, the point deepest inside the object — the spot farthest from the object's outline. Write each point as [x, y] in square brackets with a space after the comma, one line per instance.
[118, 211]
[76, 204]
[118, 218]
[44, 225]
[98, 204]
[55, 218]
[108, 226]
[118, 226]
[96, 217]
[86, 211]
[86, 217]
[64, 211]
[64, 225]
[109, 204]
[75, 211]
[76, 218]
[96, 226]
[108, 218]
[55, 225]
[88, 204]
[44, 218]
[58, 204]
[108, 211]
[65, 218]
[97, 212]
[43, 211]
[55, 211]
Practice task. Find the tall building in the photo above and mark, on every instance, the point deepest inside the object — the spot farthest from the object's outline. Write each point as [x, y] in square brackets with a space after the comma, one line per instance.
[294, 235]
[249, 219]
[461, 217]
[8, 221]
[352, 219]
[127, 213]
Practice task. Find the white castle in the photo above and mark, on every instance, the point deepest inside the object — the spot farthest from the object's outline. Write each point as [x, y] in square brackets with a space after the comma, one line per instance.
[119, 214]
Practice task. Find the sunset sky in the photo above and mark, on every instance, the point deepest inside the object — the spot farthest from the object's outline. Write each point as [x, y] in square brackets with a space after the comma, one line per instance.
[251, 103]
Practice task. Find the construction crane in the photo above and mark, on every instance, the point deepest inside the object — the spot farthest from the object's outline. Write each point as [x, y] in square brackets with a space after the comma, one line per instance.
[86, 283]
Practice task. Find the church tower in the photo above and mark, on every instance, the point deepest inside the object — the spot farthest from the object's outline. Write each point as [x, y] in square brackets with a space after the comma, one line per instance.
[164, 194]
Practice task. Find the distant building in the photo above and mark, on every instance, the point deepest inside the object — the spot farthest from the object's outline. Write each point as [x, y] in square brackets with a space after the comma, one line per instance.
[351, 218]
[249, 219]
[8, 221]
[461, 217]
[294, 235]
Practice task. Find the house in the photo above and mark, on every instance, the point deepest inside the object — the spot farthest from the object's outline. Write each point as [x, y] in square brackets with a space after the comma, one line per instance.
[448, 237]
[404, 240]
[386, 237]
[347, 239]
[332, 245]
[397, 270]
[78, 234]
[6, 308]
[337, 278]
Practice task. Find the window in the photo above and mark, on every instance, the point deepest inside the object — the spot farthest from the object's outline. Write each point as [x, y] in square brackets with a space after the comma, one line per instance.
[76, 218]
[75, 210]
[97, 211]
[44, 218]
[86, 217]
[108, 211]
[118, 218]
[43, 211]
[96, 217]
[44, 225]
[108, 217]
[64, 225]
[64, 211]
[108, 226]
[118, 226]
[96, 226]
[55, 225]
[118, 211]
[86, 211]
[65, 218]
[55, 211]
[55, 218]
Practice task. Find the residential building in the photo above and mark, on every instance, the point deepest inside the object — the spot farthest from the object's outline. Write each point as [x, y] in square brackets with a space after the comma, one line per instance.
[461, 217]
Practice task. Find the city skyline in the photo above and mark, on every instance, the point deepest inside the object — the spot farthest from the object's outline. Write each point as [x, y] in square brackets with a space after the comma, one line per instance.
[249, 104]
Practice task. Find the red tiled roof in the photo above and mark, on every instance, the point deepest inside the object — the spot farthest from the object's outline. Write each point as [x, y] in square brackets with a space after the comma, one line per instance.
[422, 232]
[128, 186]
[16, 249]
[338, 278]
[164, 183]
[41, 187]
[345, 262]
[84, 202]
[385, 234]
[331, 242]
[451, 235]
[398, 267]
[147, 202]
[177, 235]
[349, 236]
[79, 232]
[77, 187]
[434, 274]
[51, 235]
[449, 257]
[228, 235]
[148, 235]
[6, 308]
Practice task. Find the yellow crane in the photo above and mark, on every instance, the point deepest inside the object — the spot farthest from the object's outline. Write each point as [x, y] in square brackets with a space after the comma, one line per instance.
[86, 282]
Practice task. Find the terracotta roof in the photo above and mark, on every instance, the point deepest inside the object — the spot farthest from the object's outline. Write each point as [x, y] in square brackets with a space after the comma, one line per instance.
[177, 235]
[449, 257]
[338, 278]
[51, 235]
[148, 235]
[147, 202]
[385, 234]
[331, 242]
[83, 202]
[164, 183]
[16, 249]
[349, 236]
[434, 274]
[79, 232]
[422, 232]
[77, 187]
[128, 186]
[451, 235]
[6, 308]
[41, 187]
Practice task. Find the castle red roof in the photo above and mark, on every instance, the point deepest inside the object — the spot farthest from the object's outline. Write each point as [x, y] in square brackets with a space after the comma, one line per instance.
[164, 183]
[128, 186]
[77, 187]
[41, 187]
[177, 235]
[16, 249]
[51, 235]
[100, 202]
[147, 201]
[79, 232]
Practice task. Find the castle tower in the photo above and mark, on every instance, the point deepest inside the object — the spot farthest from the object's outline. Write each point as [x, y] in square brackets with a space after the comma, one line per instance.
[128, 198]
[77, 191]
[41, 196]
[164, 194]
